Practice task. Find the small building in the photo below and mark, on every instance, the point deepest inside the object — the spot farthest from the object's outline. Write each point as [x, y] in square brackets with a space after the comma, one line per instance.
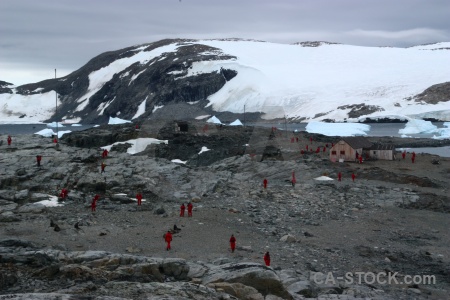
[349, 148]
[181, 126]
[379, 151]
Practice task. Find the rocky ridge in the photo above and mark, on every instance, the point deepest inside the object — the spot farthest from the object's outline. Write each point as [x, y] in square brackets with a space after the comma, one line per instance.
[310, 229]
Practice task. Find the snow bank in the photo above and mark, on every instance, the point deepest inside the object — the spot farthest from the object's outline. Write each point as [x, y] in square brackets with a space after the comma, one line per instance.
[45, 132]
[204, 149]
[53, 125]
[178, 161]
[323, 178]
[137, 145]
[443, 133]
[202, 117]
[114, 121]
[52, 202]
[214, 120]
[415, 126]
[338, 129]
[236, 123]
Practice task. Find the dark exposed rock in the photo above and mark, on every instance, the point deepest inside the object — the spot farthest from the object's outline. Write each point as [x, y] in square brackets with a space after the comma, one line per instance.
[17, 243]
[435, 94]
[358, 110]
[105, 135]
[430, 201]
[160, 211]
[4, 87]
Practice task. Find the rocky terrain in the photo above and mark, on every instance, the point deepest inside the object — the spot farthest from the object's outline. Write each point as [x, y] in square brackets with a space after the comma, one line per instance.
[392, 220]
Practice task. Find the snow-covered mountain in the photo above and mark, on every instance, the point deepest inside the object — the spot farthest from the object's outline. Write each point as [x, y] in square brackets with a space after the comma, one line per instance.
[304, 81]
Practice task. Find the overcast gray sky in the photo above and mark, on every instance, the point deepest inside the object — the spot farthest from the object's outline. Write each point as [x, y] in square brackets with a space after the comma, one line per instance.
[38, 36]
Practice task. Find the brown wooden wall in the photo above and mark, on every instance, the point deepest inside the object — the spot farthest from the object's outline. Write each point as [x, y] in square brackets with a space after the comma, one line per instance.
[349, 152]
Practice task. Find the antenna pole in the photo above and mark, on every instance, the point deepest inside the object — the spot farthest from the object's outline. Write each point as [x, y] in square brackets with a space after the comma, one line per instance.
[285, 125]
[56, 110]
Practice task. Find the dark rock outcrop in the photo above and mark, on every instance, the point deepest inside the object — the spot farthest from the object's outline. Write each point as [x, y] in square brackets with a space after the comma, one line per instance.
[435, 94]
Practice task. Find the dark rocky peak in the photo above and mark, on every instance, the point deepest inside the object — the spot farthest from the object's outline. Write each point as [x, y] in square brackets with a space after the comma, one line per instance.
[160, 80]
[434, 94]
[314, 43]
[4, 87]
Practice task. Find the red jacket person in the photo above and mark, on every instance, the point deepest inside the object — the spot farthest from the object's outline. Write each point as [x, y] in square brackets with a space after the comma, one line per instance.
[38, 160]
[139, 198]
[232, 243]
[267, 258]
[182, 210]
[168, 239]
[189, 208]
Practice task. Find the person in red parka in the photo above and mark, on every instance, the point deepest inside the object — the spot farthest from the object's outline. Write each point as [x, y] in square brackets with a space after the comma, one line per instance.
[189, 208]
[265, 183]
[339, 176]
[232, 243]
[103, 167]
[139, 198]
[413, 157]
[293, 180]
[182, 210]
[353, 176]
[267, 259]
[9, 140]
[360, 159]
[404, 154]
[168, 239]
[38, 160]
[64, 193]
[93, 205]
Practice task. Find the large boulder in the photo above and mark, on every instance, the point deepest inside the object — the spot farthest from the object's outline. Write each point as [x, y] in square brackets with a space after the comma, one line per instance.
[35, 208]
[262, 278]
[175, 267]
[6, 205]
[238, 290]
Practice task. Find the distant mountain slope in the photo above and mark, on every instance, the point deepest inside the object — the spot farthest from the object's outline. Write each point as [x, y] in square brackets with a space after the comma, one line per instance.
[304, 81]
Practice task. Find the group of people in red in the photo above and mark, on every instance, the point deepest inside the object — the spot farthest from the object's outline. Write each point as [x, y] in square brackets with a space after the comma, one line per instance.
[190, 206]
[233, 247]
[310, 149]
[413, 156]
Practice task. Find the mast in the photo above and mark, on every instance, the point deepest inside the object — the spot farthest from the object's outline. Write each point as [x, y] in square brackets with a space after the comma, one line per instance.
[56, 110]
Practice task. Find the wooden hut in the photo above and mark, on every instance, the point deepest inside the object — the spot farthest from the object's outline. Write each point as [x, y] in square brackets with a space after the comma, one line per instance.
[379, 151]
[346, 149]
